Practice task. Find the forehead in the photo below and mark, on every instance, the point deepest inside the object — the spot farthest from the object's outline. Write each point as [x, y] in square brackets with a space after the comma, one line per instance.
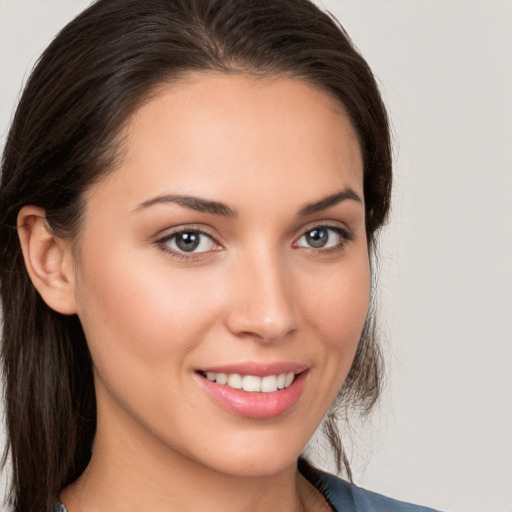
[232, 136]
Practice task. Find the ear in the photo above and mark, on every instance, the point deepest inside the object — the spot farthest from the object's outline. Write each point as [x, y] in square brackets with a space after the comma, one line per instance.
[48, 259]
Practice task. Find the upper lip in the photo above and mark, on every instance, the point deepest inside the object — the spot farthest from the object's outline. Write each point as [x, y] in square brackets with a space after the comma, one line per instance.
[257, 369]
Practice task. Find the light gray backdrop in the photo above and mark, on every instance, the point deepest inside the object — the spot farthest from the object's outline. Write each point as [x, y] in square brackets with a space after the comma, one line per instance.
[442, 436]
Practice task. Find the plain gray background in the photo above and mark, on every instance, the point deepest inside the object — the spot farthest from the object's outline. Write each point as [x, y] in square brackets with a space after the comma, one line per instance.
[442, 435]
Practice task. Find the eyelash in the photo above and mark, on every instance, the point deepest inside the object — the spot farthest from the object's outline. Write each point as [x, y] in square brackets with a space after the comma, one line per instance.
[344, 235]
[163, 243]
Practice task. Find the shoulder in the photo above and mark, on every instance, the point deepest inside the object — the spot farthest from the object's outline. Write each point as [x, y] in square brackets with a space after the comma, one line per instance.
[347, 497]
[344, 495]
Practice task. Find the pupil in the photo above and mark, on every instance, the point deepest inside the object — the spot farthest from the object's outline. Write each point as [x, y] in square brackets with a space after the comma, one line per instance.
[317, 237]
[187, 241]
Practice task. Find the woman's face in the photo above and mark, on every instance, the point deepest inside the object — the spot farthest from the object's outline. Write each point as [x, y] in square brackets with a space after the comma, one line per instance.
[228, 249]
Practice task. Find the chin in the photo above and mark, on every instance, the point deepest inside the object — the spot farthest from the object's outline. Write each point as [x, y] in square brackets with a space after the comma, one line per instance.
[258, 467]
[257, 458]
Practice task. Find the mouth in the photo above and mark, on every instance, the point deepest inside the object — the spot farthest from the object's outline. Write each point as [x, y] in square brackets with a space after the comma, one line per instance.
[268, 394]
[251, 383]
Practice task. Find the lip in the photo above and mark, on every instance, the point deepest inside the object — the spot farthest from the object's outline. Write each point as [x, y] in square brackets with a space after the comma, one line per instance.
[253, 404]
[257, 369]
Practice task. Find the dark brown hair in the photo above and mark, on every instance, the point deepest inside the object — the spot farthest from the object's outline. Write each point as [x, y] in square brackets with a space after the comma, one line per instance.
[94, 75]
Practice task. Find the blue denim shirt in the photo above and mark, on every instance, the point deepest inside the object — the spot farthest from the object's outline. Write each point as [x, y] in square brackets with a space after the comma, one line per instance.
[346, 497]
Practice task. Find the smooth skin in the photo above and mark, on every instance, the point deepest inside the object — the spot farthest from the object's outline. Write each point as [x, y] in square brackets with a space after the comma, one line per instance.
[257, 286]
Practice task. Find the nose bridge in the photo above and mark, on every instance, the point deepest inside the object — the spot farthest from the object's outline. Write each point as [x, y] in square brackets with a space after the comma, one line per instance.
[262, 303]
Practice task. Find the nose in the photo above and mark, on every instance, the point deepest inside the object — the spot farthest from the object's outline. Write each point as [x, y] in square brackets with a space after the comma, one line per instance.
[261, 301]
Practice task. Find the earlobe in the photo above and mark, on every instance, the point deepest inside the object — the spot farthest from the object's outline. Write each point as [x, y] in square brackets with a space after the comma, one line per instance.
[48, 259]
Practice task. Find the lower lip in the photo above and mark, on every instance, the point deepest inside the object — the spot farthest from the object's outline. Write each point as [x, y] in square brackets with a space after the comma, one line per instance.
[255, 405]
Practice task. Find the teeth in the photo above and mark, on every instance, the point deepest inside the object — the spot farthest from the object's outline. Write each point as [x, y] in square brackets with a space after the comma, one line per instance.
[252, 383]
[222, 378]
[235, 381]
[269, 384]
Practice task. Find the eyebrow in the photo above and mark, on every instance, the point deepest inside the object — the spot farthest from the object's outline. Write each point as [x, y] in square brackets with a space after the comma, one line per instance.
[194, 203]
[218, 208]
[330, 201]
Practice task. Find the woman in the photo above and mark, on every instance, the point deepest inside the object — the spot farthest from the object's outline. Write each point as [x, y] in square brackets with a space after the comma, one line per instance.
[191, 192]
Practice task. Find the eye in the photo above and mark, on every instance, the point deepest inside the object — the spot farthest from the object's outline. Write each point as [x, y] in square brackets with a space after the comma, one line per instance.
[188, 241]
[324, 237]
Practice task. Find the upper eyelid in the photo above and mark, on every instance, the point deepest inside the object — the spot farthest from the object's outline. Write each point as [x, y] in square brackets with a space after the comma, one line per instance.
[162, 243]
[325, 222]
[346, 237]
[327, 225]
[167, 233]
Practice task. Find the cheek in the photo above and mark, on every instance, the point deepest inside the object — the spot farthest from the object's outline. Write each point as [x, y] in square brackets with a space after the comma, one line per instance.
[337, 309]
[341, 303]
[138, 316]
